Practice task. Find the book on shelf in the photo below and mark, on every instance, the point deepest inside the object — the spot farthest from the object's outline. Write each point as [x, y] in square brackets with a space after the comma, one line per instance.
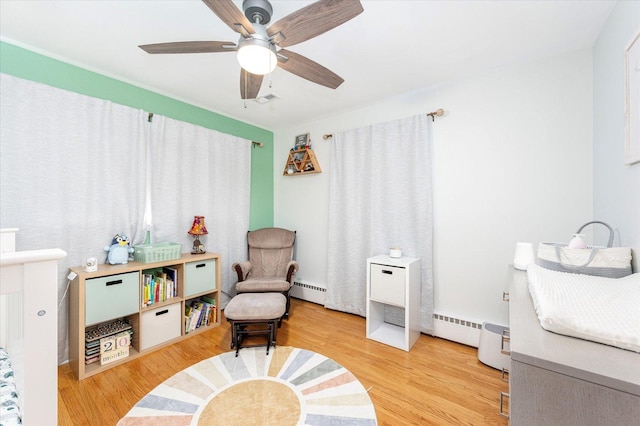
[199, 313]
[146, 290]
[187, 318]
[214, 312]
[159, 286]
[161, 280]
[196, 312]
[170, 288]
[172, 275]
[192, 315]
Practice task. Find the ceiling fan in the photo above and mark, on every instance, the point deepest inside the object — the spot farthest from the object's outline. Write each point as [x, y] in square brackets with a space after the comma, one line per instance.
[261, 48]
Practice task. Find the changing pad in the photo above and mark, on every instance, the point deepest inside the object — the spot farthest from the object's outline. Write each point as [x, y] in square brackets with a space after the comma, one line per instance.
[603, 310]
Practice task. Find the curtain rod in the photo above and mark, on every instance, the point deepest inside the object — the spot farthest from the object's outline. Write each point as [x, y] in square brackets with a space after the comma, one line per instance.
[253, 143]
[439, 113]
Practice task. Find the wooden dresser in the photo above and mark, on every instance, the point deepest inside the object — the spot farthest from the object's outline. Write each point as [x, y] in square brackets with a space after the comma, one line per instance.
[560, 380]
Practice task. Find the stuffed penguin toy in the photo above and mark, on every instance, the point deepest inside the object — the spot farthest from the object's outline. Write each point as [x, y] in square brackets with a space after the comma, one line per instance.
[118, 252]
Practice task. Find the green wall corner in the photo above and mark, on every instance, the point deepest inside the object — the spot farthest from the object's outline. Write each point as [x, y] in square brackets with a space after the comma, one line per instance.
[33, 66]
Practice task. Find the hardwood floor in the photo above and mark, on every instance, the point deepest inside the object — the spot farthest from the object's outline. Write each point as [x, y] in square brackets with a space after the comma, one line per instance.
[437, 383]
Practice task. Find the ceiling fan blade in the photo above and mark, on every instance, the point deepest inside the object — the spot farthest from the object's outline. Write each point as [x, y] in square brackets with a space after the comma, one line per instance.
[308, 69]
[313, 20]
[190, 47]
[249, 84]
[229, 14]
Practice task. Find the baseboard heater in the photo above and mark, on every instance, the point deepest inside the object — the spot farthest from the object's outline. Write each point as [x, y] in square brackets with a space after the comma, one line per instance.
[447, 327]
[308, 292]
[457, 329]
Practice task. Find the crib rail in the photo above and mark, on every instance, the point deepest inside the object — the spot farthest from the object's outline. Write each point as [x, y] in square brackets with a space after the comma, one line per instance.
[29, 293]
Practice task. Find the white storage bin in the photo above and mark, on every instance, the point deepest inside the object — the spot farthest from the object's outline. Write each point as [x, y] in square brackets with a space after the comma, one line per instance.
[490, 347]
[388, 284]
[160, 325]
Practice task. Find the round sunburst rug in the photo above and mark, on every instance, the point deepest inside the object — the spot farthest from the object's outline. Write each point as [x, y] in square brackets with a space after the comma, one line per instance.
[289, 386]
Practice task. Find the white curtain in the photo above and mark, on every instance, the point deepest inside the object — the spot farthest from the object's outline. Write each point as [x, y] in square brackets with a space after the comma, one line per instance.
[380, 196]
[71, 170]
[198, 171]
[73, 173]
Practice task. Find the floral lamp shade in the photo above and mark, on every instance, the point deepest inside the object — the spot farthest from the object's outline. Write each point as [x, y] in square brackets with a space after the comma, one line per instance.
[198, 228]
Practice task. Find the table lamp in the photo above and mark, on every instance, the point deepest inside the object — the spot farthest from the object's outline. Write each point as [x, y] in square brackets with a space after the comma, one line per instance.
[196, 230]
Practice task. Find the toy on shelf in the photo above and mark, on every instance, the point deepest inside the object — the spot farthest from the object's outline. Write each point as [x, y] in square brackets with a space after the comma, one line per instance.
[118, 252]
[301, 159]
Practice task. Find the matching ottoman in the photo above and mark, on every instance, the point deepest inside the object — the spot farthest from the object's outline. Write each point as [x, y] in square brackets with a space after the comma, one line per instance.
[246, 311]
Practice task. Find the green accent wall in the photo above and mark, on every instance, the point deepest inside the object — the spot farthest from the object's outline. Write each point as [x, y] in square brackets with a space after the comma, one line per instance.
[29, 65]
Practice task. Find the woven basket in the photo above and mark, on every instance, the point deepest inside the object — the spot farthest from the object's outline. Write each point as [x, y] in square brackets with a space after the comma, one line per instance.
[149, 253]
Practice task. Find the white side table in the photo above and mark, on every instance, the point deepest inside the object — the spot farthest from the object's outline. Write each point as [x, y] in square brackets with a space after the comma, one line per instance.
[394, 282]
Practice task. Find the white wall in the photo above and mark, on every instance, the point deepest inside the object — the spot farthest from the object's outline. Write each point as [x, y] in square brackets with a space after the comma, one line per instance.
[616, 185]
[512, 162]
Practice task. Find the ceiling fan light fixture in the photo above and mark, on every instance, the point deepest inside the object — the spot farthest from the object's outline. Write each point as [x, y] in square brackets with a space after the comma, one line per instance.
[260, 49]
[257, 56]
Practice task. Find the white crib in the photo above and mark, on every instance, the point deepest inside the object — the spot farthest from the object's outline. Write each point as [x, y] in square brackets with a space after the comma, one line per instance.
[29, 326]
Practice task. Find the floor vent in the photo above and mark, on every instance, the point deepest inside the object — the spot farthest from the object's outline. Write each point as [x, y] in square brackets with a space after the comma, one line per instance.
[457, 329]
[308, 292]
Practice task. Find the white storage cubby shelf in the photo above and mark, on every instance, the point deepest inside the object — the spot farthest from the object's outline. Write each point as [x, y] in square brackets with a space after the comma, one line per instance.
[393, 282]
[117, 291]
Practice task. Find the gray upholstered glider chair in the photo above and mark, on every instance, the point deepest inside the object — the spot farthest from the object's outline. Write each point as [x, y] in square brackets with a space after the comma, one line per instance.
[270, 268]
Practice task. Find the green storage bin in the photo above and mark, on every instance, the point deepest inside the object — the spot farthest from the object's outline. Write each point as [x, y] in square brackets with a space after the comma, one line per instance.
[111, 297]
[199, 277]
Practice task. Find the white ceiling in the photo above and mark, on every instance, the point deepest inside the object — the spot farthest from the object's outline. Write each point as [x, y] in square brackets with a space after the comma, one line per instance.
[393, 47]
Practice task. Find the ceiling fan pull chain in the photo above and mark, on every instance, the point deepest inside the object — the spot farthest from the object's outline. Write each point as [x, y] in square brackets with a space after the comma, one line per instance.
[272, 68]
[244, 97]
[244, 100]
